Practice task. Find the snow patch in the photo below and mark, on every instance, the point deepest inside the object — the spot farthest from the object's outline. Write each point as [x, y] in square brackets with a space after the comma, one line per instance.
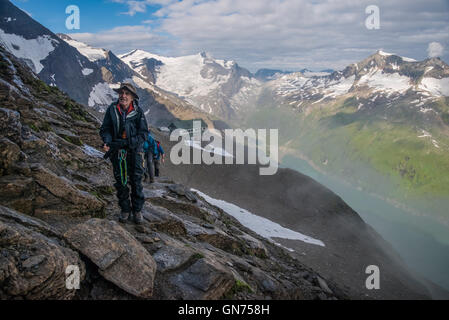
[383, 53]
[142, 84]
[425, 134]
[93, 54]
[87, 71]
[408, 59]
[262, 226]
[91, 151]
[428, 69]
[425, 110]
[32, 50]
[389, 82]
[101, 94]
[436, 87]
[435, 143]
[208, 148]
[339, 87]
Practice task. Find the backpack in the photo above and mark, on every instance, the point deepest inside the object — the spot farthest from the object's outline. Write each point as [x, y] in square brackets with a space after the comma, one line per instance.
[150, 145]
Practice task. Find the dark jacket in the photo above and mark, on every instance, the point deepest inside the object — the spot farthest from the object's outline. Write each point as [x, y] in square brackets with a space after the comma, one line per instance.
[135, 125]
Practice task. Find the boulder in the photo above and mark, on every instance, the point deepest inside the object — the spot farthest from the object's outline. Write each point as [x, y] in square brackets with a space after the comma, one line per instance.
[172, 255]
[205, 279]
[33, 261]
[120, 258]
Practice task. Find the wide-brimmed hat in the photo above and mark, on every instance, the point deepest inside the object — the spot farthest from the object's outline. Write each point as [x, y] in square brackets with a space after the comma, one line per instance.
[129, 87]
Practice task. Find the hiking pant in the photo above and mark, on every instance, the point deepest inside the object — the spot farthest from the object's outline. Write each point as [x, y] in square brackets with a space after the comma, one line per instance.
[149, 170]
[135, 169]
[157, 164]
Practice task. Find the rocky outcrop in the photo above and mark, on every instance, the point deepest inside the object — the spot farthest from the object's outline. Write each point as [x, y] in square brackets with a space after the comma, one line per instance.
[33, 260]
[119, 257]
[204, 279]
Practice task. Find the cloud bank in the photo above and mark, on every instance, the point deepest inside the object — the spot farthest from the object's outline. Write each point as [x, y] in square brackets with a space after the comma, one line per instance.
[286, 34]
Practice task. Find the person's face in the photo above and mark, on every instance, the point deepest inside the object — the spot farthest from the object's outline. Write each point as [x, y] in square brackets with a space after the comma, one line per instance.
[125, 98]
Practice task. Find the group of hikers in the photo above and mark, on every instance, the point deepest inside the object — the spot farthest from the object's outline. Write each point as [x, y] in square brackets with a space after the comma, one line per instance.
[133, 152]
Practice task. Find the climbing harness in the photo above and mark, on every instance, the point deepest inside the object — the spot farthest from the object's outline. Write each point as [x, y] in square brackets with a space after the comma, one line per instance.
[123, 166]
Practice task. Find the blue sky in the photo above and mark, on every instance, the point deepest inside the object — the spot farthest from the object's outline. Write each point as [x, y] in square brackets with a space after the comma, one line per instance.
[281, 34]
[96, 16]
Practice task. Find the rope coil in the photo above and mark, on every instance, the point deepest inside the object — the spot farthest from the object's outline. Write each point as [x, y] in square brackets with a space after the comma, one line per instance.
[122, 160]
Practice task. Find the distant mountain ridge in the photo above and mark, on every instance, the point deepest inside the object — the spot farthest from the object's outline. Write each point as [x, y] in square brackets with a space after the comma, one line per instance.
[215, 86]
[381, 124]
[272, 74]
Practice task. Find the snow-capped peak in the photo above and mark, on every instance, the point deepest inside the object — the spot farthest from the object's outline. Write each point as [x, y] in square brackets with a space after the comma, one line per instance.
[93, 54]
[386, 54]
[208, 83]
[383, 53]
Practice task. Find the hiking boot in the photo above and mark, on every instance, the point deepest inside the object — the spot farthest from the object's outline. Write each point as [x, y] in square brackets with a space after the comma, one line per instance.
[138, 219]
[152, 181]
[123, 216]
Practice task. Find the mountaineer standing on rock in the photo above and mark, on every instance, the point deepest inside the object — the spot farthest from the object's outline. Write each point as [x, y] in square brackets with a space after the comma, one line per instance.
[124, 131]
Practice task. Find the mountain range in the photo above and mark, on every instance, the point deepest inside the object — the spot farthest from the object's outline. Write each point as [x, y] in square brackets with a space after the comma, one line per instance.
[380, 124]
[87, 74]
[363, 113]
[337, 120]
[58, 209]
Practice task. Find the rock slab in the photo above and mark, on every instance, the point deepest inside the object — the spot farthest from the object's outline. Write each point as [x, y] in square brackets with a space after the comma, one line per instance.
[120, 258]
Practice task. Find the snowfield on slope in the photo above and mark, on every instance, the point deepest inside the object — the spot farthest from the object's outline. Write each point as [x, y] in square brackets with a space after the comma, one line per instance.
[93, 54]
[209, 84]
[387, 82]
[182, 75]
[34, 50]
[102, 94]
[437, 87]
[262, 226]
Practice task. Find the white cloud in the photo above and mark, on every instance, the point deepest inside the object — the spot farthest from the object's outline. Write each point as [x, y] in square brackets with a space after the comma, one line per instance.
[122, 39]
[435, 49]
[135, 6]
[299, 33]
[288, 34]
